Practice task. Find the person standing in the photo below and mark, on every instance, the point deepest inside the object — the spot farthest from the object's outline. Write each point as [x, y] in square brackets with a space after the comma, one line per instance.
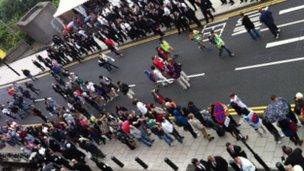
[160, 77]
[200, 165]
[205, 6]
[198, 126]
[37, 112]
[28, 74]
[175, 71]
[235, 150]
[32, 88]
[244, 164]
[267, 18]
[110, 43]
[220, 44]
[217, 163]
[294, 157]
[103, 61]
[249, 26]
[126, 89]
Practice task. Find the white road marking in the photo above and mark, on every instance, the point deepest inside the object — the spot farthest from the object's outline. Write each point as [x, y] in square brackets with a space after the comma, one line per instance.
[283, 42]
[42, 99]
[269, 64]
[171, 79]
[265, 29]
[291, 9]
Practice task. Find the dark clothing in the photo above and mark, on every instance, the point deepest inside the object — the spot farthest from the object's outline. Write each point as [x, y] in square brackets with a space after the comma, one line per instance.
[247, 23]
[236, 151]
[239, 110]
[124, 88]
[295, 158]
[267, 19]
[220, 164]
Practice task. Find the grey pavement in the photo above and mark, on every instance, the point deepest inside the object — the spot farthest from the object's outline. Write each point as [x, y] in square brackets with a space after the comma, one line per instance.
[254, 86]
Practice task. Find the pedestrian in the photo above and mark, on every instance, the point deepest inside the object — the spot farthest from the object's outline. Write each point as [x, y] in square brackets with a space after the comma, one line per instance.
[169, 128]
[111, 44]
[249, 26]
[235, 150]
[201, 165]
[141, 137]
[160, 77]
[181, 120]
[255, 122]
[237, 104]
[37, 112]
[205, 6]
[31, 87]
[273, 130]
[104, 61]
[197, 37]
[294, 157]
[157, 129]
[126, 89]
[244, 164]
[176, 72]
[28, 74]
[6, 111]
[217, 163]
[299, 107]
[267, 18]
[38, 65]
[27, 95]
[141, 107]
[220, 44]
[165, 46]
[198, 126]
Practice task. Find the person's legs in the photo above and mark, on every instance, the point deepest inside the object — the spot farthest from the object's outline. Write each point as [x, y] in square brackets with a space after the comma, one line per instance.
[181, 83]
[205, 13]
[256, 32]
[190, 129]
[251, 33]
[228, 51]
[177, 136]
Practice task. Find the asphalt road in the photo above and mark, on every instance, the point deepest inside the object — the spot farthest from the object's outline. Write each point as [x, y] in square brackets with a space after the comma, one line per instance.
[254, 85]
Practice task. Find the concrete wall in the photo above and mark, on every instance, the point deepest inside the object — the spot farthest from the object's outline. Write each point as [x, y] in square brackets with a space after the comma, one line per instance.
[17, 52]
[37, 23]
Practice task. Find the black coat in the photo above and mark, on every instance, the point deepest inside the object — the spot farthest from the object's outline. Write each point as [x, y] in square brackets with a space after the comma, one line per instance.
[247, 23]
[295, 158]
[220, 164]
[237, 151]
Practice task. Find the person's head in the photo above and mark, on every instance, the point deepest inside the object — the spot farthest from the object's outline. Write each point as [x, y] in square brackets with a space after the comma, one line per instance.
[242, 14]
[212, 32]
[273, 97]
[153, 67]
[118, 83]
[228, 144]
[231, 96]
[195, 161]
[261, 10]
[161, 39]
[211, 158]
[237, 160]
[190, 116]
[286, 150]
[190, 103]
[299, 96]
[135, 102]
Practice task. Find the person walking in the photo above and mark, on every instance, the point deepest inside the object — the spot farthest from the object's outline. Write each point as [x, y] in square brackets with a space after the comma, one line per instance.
[31, 87]
[38, 65]
[175, 71]
[249, 26]
[267, 18]
[160, 77]
[104, 61]
[220, 44]
[292, 157]
[200, 165]
[126, 89]
[28, 74]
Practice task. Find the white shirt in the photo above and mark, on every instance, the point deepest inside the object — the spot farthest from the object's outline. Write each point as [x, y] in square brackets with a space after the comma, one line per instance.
[157, 73]
[167, 126]
[246, 165]
[238, 101]
[91, 87]
[141, 107]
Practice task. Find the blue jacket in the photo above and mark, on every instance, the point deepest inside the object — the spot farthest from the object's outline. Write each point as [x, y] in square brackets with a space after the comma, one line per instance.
[266, 17]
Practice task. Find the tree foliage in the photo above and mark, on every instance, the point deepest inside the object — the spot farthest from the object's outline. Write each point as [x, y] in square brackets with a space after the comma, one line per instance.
[10, 13]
